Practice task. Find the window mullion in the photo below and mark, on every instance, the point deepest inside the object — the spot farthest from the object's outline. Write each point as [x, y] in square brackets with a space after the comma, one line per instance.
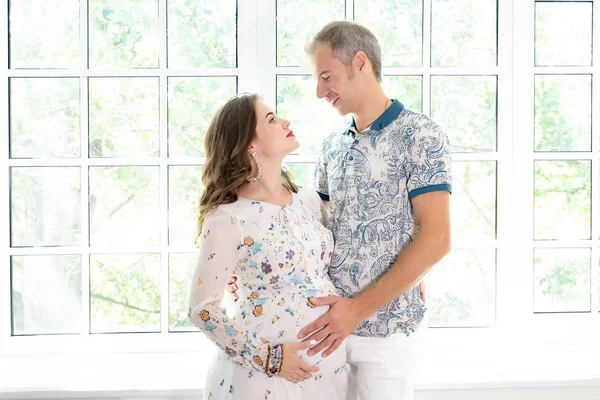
[266, 52]
[515, 276]
[247, 46]
[85, 322]
[5, 284]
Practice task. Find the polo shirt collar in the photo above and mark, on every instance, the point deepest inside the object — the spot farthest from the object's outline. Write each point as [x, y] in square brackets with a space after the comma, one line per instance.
[390, 114]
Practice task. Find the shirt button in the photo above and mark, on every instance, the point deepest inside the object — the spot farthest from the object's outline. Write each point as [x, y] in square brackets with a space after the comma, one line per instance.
[350, 158]
[356, 142]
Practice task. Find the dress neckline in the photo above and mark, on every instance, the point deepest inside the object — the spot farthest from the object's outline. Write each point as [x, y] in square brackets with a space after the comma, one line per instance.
[271, 204]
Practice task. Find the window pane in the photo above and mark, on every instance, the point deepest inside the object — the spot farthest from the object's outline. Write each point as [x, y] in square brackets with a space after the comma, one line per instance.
[124, 205]
[562, 200]
[463, 33]
[124, 117]
[407, 89]
[555, 129]
[463, 289]
[474, 200]
[302, 173]
[562, 280]
[192, 104]
[465, 107]
[297, 23]
[181, 272]
[296, 100]
[185, 188]
[124, 293]
[123, 34]
[563, 33]
[44, 117]
[45, 204]
[398, 26]
[46, 294]
[202, 34]
[44, 34]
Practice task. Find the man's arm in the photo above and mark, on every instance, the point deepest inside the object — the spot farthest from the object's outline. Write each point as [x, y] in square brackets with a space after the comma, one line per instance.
[431, 244]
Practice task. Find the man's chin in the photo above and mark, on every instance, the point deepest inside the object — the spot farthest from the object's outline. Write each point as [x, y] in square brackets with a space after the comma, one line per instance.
[341, 112]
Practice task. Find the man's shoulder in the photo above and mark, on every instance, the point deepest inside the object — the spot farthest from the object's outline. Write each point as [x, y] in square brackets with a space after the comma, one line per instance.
[331, 143]
[411, 123]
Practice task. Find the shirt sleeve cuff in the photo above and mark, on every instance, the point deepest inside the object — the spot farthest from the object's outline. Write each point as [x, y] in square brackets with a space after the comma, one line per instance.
[323, 196]
[274, 360]
[429, 189]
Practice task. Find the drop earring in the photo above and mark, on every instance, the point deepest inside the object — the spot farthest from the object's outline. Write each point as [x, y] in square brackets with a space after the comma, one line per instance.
[254, 179]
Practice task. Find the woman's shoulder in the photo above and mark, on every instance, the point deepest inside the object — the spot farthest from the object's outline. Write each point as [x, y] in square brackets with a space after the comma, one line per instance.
[220, 214]
[310, 198]
[307, 193]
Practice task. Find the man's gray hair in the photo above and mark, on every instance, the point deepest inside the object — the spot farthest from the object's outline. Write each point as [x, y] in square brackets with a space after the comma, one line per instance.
[346, 39]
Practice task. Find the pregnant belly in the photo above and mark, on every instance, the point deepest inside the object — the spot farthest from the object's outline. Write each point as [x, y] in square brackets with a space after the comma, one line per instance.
[285, 316]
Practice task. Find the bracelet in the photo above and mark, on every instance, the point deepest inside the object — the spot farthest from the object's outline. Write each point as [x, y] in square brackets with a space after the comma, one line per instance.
[275, 360]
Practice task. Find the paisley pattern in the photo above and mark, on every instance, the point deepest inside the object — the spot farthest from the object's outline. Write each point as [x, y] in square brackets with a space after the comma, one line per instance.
[370, 178]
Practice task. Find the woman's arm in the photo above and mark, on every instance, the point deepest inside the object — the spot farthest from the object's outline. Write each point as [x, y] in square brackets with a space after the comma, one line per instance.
[220, 241]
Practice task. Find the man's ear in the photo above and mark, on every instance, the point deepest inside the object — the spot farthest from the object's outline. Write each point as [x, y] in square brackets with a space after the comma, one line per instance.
[360, 60]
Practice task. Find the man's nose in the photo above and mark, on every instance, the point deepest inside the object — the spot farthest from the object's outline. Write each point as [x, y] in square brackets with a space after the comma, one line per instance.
[322, 90]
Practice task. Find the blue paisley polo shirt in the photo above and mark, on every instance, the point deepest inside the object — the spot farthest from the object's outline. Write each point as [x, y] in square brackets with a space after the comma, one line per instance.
[370, 177]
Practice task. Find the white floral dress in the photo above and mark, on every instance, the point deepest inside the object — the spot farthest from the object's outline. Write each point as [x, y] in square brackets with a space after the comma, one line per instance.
[280, 255]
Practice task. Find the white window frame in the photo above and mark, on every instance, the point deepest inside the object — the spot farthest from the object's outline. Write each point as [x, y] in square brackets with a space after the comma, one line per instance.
[519, 340]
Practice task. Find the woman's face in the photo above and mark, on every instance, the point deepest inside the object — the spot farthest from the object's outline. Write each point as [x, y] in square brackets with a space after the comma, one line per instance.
[274, 138]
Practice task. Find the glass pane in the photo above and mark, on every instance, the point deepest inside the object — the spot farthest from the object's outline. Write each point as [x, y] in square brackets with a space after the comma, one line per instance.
[474, 200]
[44, 117]
[563, 33]
[124, 205]
[463, 33]
[202, 34]
[123, 34]
[302, 173]
[185, 187]
[555, 129]
[562, 280]
[465, 107]
[44, 34]
[398, 26]
[46, 294]
[45, 206]
[463, 289]
[124, 117]
[124, 293]
[562, 200]
[297, 23]
[181, 272]
[297, 99]
[407, 89]
[192, 104]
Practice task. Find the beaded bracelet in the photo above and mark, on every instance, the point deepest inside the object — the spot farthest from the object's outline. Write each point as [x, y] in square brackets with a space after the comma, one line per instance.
[275, 360]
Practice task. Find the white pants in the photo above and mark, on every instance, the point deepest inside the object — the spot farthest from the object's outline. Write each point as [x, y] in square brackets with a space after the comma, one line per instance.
[384, 368]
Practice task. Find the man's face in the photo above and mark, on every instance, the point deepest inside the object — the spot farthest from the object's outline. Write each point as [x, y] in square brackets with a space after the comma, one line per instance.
[335, 81]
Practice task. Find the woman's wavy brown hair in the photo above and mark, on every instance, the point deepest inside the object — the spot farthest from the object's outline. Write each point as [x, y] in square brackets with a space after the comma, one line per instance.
[227, 165]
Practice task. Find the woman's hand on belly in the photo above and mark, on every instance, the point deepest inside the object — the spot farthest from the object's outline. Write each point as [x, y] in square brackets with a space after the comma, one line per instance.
[293, 368]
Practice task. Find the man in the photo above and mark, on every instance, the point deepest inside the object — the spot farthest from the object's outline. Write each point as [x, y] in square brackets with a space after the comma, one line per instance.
[387, 180]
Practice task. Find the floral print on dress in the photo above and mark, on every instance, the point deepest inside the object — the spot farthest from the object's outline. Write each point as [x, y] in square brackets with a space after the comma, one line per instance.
[280, 256]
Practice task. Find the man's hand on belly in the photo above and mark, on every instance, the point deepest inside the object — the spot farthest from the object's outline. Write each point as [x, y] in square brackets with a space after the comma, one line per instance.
[332, 327]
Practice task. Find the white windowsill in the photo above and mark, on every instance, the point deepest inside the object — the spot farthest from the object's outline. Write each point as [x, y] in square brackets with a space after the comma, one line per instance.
[453, 360]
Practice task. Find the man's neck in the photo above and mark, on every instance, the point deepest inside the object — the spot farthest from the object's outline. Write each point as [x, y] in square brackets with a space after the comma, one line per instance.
[372, 108]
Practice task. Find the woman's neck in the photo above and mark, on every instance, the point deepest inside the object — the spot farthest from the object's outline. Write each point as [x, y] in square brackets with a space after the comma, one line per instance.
[269, 188]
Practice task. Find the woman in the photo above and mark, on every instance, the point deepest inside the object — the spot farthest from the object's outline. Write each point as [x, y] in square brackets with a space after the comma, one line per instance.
[256, 224]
